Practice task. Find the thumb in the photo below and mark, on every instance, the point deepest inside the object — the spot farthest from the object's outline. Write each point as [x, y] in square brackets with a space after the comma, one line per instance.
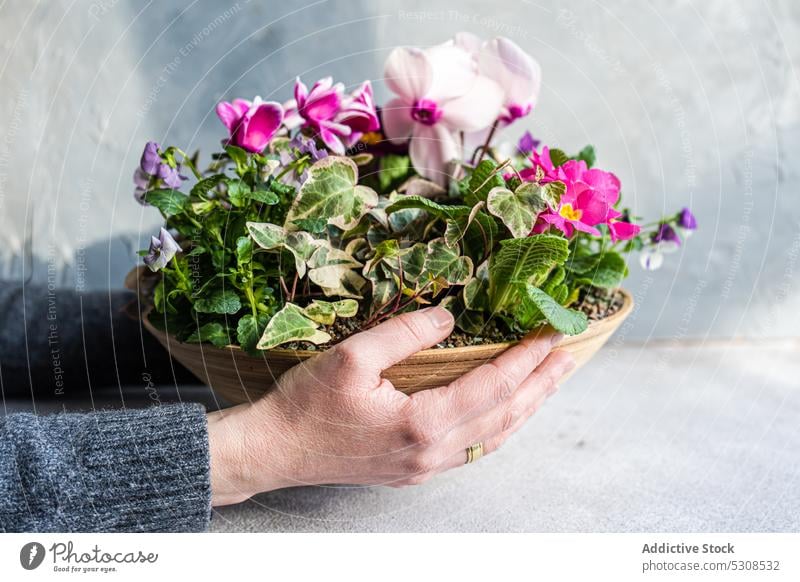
[393, 341]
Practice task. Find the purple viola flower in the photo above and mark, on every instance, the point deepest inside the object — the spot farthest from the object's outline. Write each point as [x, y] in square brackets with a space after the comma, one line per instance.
[665, 234]
[306, 145]
[152, 166]
[527, 143]
[161, 251]
[686, 220]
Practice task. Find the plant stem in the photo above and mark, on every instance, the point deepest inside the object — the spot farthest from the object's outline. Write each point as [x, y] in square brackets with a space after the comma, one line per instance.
[187, 160]
[485, 147]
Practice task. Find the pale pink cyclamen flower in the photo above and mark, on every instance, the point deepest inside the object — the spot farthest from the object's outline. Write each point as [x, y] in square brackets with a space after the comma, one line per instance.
[338, 119]
[439, 94]
[251, 125]
[515, 71]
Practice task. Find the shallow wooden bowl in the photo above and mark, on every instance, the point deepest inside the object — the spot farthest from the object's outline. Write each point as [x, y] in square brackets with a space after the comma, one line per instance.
[238, 377]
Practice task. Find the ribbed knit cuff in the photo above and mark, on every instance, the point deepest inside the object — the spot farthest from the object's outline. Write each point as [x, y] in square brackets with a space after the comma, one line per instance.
[126, 470]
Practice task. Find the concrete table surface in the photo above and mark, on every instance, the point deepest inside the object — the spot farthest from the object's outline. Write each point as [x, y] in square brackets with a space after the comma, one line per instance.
[688, 438]
[659, 438]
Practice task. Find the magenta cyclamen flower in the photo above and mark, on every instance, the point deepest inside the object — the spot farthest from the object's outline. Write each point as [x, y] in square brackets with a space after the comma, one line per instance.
[161, 251]
[251, 124]
[339, 120]
[439, 95]
[152, 166]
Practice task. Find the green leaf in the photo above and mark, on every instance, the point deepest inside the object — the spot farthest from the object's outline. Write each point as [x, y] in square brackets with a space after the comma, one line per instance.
[553, 191]
[326, 312]
[291, 324]
[484, 177]
[522, 261]
[518, 210]
[587, 155]
[558, 157]
[215, 333]
[239, 157]
[204, 186]
[170, 202]
[608, 272]
[219, 301]
[332, 193]
[446, 262]
[564, 320]
[476, 291]
[238, 192]
[312, 225]
[392, 169]
[244, 250]
[249, 331]
[265, 197]
[434, 209]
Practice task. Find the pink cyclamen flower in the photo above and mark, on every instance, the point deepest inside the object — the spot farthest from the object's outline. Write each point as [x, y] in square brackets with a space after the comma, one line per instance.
[339, 120]
[515, 71]
[439, 94]
[251, 124]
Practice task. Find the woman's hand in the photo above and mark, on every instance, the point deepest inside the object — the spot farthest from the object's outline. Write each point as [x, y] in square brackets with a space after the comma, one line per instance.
[333, 419]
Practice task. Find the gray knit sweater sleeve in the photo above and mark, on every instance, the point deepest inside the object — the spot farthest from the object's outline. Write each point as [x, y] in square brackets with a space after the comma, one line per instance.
[125, 470]
[129, 470]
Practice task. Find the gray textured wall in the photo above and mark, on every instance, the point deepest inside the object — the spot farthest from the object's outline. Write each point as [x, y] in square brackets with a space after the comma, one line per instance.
[689, 102]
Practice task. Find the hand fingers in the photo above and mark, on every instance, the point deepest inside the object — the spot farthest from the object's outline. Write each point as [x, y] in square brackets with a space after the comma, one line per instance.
[493, 427]
[395, 340]
[485, 387]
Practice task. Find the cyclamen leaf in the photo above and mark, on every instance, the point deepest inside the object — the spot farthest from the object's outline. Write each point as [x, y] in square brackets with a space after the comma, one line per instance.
[239, 157]
[332, 193]
[518, 210]
[265, 197]
[205, 185]
[446, 262]
[564, 320]
[291, 324]
[249, 330]
[210, 332]
[219, 301]
[170, 202]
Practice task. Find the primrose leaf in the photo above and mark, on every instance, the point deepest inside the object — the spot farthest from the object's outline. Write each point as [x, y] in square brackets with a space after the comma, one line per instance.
[218, 301]
[326, 312]
[249, 330]
[291, 324]
[333, 270]
[521, 261]
[170, 202]
[484, 177]
[587, 155]
[332, 193]
[446, 262]
[564, 320]
[609, 271]
[210, 332]
[518, 210]
[558, 157]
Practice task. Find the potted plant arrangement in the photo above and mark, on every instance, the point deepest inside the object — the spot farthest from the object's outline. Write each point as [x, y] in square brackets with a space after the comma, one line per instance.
[325, 215]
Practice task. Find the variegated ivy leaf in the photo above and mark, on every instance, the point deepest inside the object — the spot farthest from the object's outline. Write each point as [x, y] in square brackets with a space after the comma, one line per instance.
[384, 287]
[446, 262]
[476, 290]
[272, 237]
[456, 227]
[291, 324]
[553, 191]
[383, 250]
[518, 209]
[332, 270]
[412, 260]
[332, 193]
[326, 312]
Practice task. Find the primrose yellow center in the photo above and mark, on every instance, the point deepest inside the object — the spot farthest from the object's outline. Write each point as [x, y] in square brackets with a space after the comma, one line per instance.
[570, 213]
